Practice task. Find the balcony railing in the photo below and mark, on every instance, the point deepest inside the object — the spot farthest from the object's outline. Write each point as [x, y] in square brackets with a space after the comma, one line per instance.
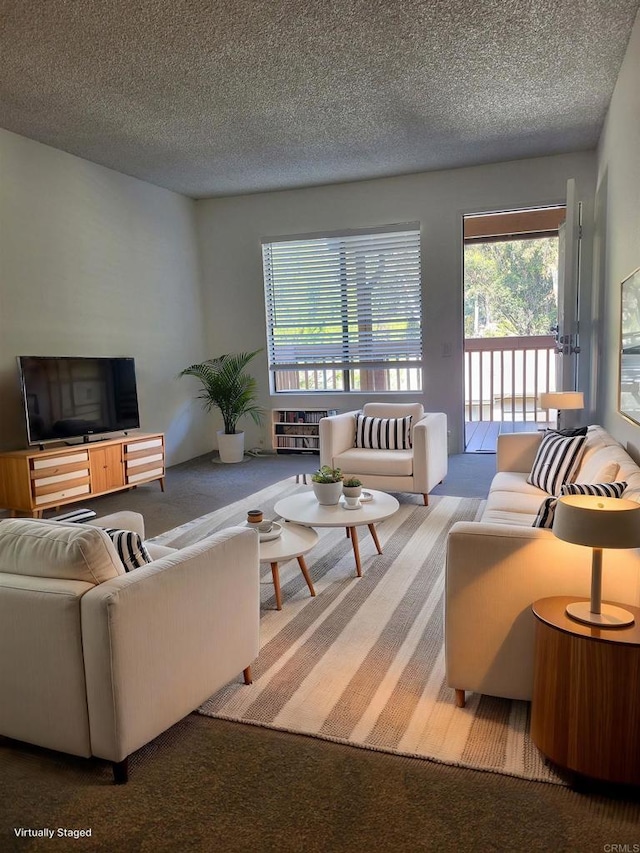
[504, 377]
[361, 380]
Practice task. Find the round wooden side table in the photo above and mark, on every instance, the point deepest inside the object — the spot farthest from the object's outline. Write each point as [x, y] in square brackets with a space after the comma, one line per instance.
[585, 713]
[294, 541]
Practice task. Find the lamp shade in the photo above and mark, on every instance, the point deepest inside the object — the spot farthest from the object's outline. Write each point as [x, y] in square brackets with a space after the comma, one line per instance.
[562, 400]
[597, 521]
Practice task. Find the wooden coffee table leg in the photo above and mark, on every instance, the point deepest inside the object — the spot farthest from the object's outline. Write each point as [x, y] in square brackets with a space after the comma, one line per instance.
[305, 572]
[356, 550]
[374, 535]
[276, 584]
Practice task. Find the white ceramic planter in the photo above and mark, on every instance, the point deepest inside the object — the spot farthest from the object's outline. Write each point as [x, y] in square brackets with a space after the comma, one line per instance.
[231, 447]
[352, 491]
[327, 494]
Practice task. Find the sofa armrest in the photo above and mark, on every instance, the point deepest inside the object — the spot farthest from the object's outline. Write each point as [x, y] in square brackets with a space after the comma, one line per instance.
[494, 573]
[337, 434]
[160, 640]
[517, 450]
[430, 451]
[123, 520]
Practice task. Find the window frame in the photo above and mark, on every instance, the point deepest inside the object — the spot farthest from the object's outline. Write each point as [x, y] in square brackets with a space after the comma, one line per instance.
[339, 262]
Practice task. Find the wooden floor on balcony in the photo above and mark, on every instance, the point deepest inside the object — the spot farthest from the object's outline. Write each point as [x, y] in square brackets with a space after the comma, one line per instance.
[482, 436]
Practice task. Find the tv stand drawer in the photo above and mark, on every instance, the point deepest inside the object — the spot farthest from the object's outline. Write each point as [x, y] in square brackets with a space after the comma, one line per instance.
[144, 460]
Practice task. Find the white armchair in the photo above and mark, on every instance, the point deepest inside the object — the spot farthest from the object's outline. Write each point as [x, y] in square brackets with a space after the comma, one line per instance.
[96, 662]
[416, 470]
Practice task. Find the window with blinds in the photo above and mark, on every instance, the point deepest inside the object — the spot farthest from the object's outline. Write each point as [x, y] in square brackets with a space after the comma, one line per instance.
[344, 311]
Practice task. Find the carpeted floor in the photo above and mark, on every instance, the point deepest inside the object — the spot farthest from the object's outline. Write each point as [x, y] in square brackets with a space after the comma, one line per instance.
[203, 485]
[219, 787]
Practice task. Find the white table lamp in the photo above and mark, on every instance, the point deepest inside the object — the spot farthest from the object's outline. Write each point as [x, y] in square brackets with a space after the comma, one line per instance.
[598, 523]
[561, 400]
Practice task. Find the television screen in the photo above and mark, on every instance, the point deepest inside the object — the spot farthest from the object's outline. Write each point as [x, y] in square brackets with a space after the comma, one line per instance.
[70, 397]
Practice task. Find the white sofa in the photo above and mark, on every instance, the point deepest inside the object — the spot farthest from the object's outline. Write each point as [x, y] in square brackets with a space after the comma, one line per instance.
[498, 566]
[97, 662]
[417, 470]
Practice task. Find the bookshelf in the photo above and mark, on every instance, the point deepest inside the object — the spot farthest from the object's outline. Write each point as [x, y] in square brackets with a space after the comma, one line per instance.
[297, 430]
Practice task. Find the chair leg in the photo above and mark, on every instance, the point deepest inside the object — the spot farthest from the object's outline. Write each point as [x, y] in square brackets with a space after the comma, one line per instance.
[247, 675]
[121, 771]
[425, 498]
[461, 699]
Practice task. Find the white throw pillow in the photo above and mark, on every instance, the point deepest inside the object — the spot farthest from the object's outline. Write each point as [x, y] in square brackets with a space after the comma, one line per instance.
[595, 471]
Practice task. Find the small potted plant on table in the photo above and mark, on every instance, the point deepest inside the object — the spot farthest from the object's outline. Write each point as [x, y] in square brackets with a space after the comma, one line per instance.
[352, 487]
[327, 485]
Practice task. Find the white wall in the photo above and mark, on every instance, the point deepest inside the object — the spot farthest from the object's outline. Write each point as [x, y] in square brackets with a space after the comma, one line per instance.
[618, 229]
[93, 262]
[230, 231]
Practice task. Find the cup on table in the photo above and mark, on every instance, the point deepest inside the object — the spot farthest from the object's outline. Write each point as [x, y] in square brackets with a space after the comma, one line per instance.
[352, 503]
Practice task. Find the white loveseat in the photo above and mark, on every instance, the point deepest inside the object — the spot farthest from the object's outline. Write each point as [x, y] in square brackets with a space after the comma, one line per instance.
[97, 662]
[498, 566]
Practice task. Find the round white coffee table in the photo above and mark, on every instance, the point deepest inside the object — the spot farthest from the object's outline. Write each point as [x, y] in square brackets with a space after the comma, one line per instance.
[294, 541]
[304, 509]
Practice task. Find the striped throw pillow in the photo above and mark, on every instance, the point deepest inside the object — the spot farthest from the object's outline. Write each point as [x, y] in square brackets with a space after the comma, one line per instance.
[76, 515]
[603, 490]
[546, 513]
[130, 548]
[556, 462]
[383, 433]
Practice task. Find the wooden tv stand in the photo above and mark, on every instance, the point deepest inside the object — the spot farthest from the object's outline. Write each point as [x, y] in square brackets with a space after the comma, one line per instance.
[33, 480]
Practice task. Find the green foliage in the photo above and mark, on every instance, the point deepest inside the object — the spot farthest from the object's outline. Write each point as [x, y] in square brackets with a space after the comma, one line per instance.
[510, 288]
[327, 475]
[228, 387]
[352, 482]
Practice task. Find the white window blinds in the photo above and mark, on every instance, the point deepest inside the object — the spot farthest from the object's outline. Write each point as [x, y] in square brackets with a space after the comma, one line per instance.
[345, 300]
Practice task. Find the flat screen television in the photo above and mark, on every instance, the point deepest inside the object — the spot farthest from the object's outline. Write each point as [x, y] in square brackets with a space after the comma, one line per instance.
[68, 397]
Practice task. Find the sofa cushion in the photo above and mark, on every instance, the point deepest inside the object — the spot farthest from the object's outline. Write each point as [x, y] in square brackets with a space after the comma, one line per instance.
[597, 452]
[49, 549]
[515, 481]
[606, 473]
[513, 519]
[383, 433]
[130, 548]
[515, 502]
[385, 463]
[556, 461]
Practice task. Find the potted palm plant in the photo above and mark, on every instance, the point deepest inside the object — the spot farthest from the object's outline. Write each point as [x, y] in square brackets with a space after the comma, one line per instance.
[327, 485]
[228, 387]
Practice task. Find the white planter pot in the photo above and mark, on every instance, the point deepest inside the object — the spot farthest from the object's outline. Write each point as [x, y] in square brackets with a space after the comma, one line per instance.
[231, 447]
[352, 491]
[327, 494]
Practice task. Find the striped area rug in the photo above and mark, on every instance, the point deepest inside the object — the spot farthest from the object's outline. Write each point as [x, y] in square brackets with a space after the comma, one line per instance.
[362, 663]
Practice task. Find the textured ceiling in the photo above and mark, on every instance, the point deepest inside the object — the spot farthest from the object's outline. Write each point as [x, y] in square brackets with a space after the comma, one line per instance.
[234, 96]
